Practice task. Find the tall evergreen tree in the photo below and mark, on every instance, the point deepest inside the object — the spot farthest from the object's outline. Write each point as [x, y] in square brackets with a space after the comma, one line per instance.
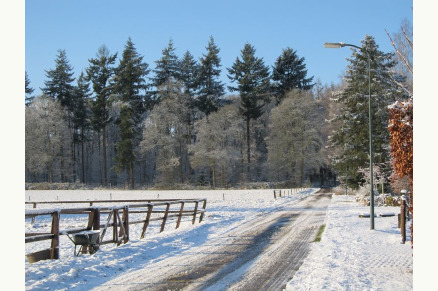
[59, 84]
[210, 88]
[351, 138]
[100, 72]
[125, 147]
[188, 73]
[252, 78]
[167, 67]
[189, 77]
[129, 83]
[81, 117]
[27, 90]
[289, 72]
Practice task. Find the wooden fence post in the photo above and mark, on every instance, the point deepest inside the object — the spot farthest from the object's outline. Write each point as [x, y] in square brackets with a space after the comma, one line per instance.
[195, 211]
[125, 221]
[115, 222]
[204, 205]
[90, 220]
[96, 219]
[180, 214]
[33, 217]
[146, 223]
[120, 223]
[163, 224]
[54, 249]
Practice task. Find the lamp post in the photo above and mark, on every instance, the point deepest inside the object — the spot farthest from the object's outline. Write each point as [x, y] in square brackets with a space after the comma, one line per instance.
[339, 45]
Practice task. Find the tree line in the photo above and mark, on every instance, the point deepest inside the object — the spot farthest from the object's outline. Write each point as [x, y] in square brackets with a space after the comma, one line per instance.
[174, 124]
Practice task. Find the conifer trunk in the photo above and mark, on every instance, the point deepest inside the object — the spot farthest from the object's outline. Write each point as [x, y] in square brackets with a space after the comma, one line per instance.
[131, 173]
[62, 164]
[105, 174]
[82, 157]
[214, 176]
[73, 155]
[50, 171]
[248, 144]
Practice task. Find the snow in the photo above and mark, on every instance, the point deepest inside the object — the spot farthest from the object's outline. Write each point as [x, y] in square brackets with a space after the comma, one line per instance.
[349, 256]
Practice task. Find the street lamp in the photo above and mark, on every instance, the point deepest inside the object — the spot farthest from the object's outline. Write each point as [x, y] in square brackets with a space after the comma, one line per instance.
[339, 45]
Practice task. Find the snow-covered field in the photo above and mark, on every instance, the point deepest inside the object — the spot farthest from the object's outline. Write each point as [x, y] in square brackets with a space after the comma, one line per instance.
[349, 257]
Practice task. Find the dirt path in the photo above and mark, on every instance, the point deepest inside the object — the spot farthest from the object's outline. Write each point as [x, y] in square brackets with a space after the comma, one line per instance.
[262, 254]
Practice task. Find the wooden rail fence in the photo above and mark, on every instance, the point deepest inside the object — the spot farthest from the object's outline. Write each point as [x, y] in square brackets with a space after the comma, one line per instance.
[117, 219]
[286, 192]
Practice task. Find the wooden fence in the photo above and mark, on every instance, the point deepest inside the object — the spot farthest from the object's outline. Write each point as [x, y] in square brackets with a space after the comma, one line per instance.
[286, 192]
[117, 219]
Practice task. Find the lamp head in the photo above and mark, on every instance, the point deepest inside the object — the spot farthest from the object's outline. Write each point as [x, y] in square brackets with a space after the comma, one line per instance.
[334, 44]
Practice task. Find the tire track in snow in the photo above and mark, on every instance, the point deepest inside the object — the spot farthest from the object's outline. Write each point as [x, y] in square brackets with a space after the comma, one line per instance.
[278, 264]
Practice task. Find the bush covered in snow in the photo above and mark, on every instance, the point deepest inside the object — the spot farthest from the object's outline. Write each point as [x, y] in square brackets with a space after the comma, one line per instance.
[363, 196]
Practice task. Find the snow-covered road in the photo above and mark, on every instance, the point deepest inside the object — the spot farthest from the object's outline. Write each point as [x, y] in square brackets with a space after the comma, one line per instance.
[263, 252]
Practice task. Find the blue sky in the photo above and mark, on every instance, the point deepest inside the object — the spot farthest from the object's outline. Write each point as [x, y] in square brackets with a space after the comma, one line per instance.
[81, 26]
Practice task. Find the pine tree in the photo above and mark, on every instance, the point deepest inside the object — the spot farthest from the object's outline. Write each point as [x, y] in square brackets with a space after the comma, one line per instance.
[351, 138]
[167, 67]
[59, 83]
[27, 90]
[210, 88]
[188, 75]
[59, 86]
[129, 82]
[81, 117]
[252, 77]
[100, 72]
[125, 147]
[289, 72]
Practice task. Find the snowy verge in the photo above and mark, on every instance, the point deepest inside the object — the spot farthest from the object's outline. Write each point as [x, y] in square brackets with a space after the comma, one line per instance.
[350, 256]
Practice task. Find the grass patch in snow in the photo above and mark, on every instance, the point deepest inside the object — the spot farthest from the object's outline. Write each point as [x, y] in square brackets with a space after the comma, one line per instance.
[319, 234]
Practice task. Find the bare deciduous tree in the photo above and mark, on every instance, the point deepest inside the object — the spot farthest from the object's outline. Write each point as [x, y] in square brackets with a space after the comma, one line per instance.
[219, 144]
[295, 142]
[165, 133]
[46, 134]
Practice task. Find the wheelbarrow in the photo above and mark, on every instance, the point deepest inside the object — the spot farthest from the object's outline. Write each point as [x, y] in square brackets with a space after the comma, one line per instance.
[87, 240]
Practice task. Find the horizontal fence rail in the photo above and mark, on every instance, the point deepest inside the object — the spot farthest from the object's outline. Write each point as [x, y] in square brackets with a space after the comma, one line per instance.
[115, 218]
